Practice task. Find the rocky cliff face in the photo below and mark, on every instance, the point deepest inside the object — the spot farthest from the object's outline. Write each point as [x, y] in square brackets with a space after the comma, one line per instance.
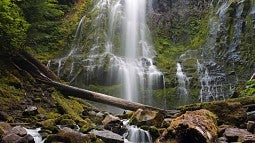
[212, 41]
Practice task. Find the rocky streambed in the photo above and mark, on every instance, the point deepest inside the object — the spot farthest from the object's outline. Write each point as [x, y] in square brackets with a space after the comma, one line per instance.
[219, 122]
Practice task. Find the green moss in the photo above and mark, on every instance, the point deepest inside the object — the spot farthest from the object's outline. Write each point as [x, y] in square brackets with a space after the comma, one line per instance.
[71, 107]
[109, 90]
[48, 123]
[223, 109]
[52, 115]
[67, 122]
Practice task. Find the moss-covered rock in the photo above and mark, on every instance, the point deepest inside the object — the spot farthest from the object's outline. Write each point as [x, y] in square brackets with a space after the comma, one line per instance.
[198, 126]
[228, 112]
[69, 136]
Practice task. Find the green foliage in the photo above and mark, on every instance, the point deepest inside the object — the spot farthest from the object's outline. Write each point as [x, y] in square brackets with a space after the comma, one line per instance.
[13, 26]
[250, 88]
[109, 90]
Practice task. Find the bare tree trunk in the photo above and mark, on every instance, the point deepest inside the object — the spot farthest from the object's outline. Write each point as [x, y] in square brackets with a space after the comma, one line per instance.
[99, 97]
[31, 65]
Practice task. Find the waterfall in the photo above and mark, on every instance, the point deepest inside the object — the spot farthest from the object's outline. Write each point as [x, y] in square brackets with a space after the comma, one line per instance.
[35, 134]
[182, 81]
[121, 52]
[137, 135]
[212, 77]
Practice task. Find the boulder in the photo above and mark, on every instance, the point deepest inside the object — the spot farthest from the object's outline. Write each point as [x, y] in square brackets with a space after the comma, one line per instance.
[26, 139]
[11, 138]
[18, 130]
[147, 117]
[110, 118]
[114, 124]
[3, 116]
[4, 128]
[238, 135]
[230, 113]
[195, 127]
[108, 136]
[67, 135]
[250, 126]
[30, 111]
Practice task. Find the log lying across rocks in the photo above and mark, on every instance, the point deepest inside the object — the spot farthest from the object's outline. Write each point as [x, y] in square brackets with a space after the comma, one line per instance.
[27, 63]
[99, 97]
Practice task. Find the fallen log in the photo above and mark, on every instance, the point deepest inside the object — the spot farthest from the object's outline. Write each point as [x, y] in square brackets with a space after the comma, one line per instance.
[99, 97]
[28, 63]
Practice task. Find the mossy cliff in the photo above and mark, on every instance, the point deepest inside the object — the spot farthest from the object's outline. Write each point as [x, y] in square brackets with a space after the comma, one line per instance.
[183, 31]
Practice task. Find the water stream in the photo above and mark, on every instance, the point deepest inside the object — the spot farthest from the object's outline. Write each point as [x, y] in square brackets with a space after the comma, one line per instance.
[121, 54]
[182, 83]
[35, 134]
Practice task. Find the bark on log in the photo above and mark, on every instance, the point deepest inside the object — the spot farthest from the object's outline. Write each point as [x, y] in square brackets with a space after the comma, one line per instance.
[195, 127]
[31, 65]
[99, 97]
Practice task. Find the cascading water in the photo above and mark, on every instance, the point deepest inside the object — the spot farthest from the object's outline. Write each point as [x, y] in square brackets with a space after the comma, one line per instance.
[182, 81]
[211, 74]
[35, 134]
[121, 52]
[137, 135]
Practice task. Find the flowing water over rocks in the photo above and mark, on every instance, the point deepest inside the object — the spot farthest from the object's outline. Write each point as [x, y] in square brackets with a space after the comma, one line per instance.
[122, 53]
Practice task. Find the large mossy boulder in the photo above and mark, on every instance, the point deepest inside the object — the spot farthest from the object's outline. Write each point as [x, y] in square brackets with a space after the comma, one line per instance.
[195, 127]
[230, 113]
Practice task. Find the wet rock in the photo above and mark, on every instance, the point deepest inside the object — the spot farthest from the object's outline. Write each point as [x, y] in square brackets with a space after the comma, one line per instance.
[26, 139]
[67, 135]
[222, 140]
[110, 118]
[250, 126]
[114, 124]
[4, 128]
[10, 138]
[108, 136]
[100, 114]
[18, 130]
[30, 111]
[166, 123]
[249, 139]
[237, 135]
[3, 116]
[147, 117]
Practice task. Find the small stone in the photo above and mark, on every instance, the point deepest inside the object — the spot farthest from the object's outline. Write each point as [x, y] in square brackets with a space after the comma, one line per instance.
[251, 126]
[166, 123]
[92, 113]
[110, 118]
[3, 116]
[108, 136]
[26, 139]
[222, 140]
[18, 130]
[236, 134]
[100, 114]
[249, 139]
[4, 128]
[30, 111]
[10, 138]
